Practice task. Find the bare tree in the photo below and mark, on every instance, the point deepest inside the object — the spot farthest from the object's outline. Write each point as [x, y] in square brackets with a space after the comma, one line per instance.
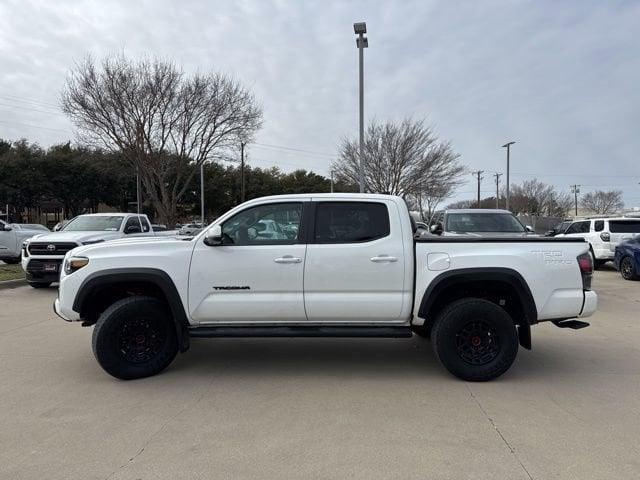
[603, 203]
[400, 159]
[164, 122]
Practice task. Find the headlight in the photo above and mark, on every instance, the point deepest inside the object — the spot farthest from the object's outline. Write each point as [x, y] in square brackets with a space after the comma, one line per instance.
[72, 264]
[91, 242]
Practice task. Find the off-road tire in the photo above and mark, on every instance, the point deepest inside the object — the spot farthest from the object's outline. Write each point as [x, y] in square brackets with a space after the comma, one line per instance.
[135, 338]
[498, 339]
[39, 284]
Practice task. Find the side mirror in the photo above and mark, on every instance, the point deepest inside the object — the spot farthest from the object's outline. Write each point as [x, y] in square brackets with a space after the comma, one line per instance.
[132, 229]
[529, 229]
[436, 228]
[6, 228]
[213, 237]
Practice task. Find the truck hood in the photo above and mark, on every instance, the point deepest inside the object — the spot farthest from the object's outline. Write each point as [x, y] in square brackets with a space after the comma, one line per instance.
[77, 237]
[133, 244]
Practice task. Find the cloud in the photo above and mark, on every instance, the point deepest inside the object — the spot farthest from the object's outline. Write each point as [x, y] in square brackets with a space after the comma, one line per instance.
[560, 78]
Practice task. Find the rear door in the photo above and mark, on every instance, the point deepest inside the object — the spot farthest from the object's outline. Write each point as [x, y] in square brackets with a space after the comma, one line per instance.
[623, 229]
[8, 242]
[355, 264]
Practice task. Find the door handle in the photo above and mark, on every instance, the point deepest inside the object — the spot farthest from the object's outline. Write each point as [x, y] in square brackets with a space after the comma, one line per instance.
[383, 258]
[288, 259]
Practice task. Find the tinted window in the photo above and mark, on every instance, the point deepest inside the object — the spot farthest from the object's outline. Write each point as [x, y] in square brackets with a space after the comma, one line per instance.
[624, 226]
[132, 222]
[598, 225]
[145, 224]
[350, 222]
[579, 227]
[483, 222]
[271, 224]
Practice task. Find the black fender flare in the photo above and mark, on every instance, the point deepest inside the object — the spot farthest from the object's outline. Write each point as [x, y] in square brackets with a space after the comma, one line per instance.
[486, 274]
[157, 277]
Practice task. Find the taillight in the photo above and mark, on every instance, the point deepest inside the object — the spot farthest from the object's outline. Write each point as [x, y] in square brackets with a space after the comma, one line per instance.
[585, 262]
[605, 236]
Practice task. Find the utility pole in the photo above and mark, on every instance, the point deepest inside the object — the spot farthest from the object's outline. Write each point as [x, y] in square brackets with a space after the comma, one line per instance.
[508, 147]
[479, 176]
[575, 189]
[362, 42]
[497, 175]
[331, 181]
[242, 144]
[138, 191]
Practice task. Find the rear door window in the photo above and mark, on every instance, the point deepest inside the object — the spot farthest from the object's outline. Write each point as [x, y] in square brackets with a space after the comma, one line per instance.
[350, 222]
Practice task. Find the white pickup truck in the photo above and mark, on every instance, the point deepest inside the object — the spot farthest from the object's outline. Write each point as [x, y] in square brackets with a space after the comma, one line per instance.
[345, 265]
[42, 255]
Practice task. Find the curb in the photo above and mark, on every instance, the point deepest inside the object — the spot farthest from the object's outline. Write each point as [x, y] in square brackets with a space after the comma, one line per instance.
[13, 283]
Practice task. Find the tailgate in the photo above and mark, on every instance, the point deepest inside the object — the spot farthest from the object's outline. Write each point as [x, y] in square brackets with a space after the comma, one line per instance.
[622, 230]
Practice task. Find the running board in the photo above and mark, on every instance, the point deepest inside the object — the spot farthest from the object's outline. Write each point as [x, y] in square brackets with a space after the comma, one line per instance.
[301, 331]
[572, 324]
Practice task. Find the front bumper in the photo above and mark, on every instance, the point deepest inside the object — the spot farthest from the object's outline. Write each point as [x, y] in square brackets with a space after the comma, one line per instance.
[590, 304]
[64, 313]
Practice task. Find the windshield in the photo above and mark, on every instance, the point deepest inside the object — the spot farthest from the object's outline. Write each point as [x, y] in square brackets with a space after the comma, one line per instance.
[483, 222]
[94, 223]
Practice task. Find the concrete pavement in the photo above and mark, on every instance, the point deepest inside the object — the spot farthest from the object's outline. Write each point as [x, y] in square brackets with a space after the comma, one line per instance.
[321, 408]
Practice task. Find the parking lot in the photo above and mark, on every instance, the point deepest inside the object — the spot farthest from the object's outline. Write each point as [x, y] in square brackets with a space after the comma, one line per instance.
[321, 408]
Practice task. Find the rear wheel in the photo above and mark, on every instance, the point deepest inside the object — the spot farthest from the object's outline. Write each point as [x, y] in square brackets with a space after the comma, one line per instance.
[628, 269]
[475, 339]
[599, 264]
[39, 284]
[135, 338]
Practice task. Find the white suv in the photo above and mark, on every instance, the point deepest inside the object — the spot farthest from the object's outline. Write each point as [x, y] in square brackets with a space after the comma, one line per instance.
[603, 235]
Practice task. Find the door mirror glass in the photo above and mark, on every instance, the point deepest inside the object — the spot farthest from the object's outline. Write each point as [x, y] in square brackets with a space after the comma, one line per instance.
[213, 237]
[436, 228]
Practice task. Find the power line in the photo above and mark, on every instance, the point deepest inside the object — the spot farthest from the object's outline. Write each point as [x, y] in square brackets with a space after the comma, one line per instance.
[293, 149]
[35, 126]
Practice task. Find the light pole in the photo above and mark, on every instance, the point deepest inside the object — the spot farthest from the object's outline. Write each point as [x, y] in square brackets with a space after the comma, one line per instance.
[508, 145]
[362, 42]
[202, 193]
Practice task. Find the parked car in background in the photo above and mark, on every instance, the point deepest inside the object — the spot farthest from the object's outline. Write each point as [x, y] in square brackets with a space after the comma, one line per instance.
[42, 254]
[559, 228]
[31, 227]
[162, 230]
[190, 229]
[603, 235]
[627, 258]
[481, 222]
[11, 237]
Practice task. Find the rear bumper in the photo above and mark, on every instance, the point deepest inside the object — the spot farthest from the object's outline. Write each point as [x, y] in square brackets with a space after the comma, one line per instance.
[590, 304]
[603, 253]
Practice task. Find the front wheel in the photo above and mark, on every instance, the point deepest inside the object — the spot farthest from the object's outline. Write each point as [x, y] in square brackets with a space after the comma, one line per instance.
[12, 261]
[39, 284]
[475, 339]
[135, 338]
[628, 269]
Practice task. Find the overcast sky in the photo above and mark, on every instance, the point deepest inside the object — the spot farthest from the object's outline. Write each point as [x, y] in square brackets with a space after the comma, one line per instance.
[561, 78]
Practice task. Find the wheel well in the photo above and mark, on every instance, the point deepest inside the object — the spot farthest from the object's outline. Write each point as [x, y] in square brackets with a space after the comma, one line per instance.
[500, 291]
[102, 296]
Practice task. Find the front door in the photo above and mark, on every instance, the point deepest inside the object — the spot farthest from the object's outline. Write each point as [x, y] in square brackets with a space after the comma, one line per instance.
[256, 275]
[355, 269]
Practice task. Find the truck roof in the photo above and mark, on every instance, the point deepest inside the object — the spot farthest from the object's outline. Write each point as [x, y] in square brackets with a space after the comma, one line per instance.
[363, 196]
[477, 210]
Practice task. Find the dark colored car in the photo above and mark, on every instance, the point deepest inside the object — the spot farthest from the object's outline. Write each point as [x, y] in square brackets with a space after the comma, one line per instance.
[627, 259]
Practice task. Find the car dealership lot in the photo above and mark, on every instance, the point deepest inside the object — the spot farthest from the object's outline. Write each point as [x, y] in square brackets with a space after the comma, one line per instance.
[321, 408]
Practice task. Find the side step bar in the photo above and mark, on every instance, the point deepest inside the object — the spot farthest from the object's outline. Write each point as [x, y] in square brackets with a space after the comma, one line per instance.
[301, 331]
[572, 324]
